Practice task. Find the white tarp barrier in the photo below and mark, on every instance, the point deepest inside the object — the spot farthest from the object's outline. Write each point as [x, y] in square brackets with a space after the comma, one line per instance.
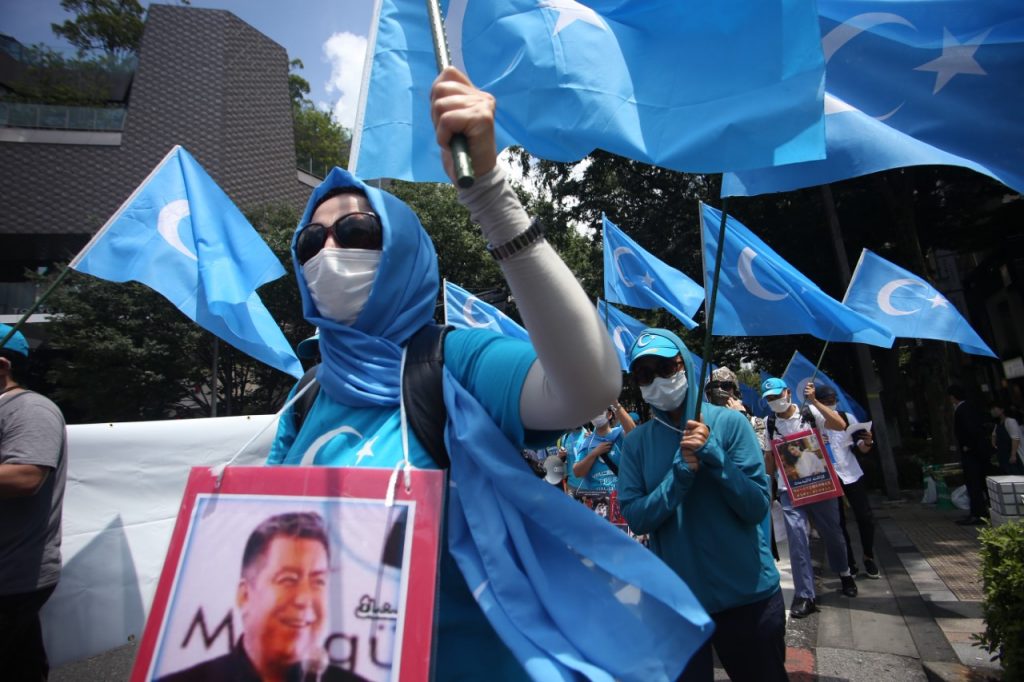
[125, 483]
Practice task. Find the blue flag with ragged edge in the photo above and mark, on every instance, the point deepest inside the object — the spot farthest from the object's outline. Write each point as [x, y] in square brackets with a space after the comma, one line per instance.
[571, 78]
[180, 234]
[622, 328]
[760, 294]
[753, 400]
[908, 305]
[463, 310]
[910, 84]
[550, 576]
[632, 276]
[800, 370]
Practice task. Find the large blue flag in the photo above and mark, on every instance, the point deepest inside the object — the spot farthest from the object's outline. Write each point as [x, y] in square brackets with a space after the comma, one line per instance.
[760, 294]
[800, 370]
[180, 234]
[463, 310]
[701, 86]
[908, 305]
[632, 276]
[914, 83]
[623, 329]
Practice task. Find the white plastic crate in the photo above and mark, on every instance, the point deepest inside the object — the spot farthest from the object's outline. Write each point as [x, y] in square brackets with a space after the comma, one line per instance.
[1006, 495]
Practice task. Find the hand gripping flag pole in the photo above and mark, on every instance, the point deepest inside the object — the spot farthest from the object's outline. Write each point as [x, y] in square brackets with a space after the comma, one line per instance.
[710, 307]
[458, 145]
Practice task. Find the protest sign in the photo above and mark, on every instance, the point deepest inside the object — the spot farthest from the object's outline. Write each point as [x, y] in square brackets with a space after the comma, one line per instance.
[806, 468]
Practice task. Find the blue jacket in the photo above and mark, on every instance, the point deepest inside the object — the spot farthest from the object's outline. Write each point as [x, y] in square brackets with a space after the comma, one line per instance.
[707, 526]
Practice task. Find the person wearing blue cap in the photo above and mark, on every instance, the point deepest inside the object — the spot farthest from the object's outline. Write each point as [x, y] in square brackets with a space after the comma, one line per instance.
[368, 279]
[786, 419]
[33, 469]
[699, 489]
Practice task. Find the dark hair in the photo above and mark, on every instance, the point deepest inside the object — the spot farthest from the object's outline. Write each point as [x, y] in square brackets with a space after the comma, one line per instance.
[826, 393]
[337, 191]
[19, 363]
[299, 525]
[957, 392]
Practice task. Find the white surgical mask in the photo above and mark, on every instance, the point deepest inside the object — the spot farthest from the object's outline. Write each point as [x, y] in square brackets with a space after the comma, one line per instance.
[600, 420]
[779, 405]
[340, 281]
[666, 393]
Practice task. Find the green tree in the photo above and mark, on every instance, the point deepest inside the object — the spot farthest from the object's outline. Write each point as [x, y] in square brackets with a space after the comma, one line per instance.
[321, 143]
[113, 27]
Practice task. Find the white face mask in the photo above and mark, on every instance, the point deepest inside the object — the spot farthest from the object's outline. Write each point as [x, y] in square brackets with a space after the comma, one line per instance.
[666, 393]
[779, 405]
[600, 420]
[340, 281]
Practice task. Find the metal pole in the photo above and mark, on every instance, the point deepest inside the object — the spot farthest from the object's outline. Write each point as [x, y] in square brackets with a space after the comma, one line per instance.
[711, 307]
[213, 380]
[867, 371]
[458, 144]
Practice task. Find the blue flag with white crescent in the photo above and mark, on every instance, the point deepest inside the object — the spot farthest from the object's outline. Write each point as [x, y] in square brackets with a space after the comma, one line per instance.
[632, 276]
[181, 235]
[570, 77]
[800, 370]
[908, 305]
[622, 328]
[463, 310]
[760, 294]
[913, 83]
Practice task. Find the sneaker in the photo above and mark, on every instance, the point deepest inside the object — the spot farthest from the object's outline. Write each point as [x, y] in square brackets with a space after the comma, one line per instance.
[849, 587]
[802, 607]
[854, 570]
[871, 569]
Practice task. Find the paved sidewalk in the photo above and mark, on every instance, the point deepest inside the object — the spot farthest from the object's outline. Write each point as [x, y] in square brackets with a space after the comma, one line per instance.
[914, 623]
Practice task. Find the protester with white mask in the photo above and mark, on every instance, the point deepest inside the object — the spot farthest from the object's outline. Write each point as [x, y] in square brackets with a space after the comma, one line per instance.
[699, 489]
[596, 458]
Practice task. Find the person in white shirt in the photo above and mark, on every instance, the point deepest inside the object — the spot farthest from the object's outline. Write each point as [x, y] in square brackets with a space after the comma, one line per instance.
[845, 449]
[1006, 439]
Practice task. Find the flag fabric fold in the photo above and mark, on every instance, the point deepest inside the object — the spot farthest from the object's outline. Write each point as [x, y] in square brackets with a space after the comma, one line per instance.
[760, 294]
[800, 370]
[634, 277]
[180, 234]
[622, 328]
[701, 86]
[909, 84]
[908, 305]
[464, 310]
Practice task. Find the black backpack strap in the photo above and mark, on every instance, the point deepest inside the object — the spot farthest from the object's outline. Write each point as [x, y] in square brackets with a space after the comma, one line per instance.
[305, 402]
[770, 424]
[423, 390]
[608, 462]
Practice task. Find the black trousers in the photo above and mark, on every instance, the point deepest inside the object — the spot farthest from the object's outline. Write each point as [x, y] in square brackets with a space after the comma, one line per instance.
[750, 642]
[22, 655]
[974, 465]
[857, 495]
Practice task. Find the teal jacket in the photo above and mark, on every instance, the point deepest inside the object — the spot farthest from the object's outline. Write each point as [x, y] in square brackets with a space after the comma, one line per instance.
[707, 526]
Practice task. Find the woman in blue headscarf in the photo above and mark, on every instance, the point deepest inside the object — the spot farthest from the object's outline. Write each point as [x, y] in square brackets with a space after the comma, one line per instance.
[367, 273]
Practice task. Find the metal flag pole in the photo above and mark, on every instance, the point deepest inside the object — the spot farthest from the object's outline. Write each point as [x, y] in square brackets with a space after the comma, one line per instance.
[710, 307]
[458, 145]
[35, 306]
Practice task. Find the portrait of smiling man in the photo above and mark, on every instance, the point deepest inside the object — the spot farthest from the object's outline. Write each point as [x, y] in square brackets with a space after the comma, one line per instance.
[283, 602]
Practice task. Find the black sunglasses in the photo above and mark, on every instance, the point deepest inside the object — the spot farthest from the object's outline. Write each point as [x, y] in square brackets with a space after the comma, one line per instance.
[664, 368]
[357, 230]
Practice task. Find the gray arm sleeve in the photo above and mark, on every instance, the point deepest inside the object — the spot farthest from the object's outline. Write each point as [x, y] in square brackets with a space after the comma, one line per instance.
[577, 371]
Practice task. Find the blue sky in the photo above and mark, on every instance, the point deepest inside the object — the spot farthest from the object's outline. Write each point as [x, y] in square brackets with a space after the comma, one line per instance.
[329, 36]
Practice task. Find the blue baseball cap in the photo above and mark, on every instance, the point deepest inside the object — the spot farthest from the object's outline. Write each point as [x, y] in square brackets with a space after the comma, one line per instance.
[773, 386]
[651, 344]
[16, 343]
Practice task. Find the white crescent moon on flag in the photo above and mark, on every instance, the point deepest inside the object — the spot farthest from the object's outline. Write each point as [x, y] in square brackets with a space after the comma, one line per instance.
[453, 28]
[854, 26]
[617, 337]
[885, 296]
[467, 312]
[167, 225]
[745, 267]
[314, 447]
[616, 254]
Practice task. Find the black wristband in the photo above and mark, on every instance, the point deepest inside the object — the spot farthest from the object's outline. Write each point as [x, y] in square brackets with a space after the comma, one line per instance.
[534, 233]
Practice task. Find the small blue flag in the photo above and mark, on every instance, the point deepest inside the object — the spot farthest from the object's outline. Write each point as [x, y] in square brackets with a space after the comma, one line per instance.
[908, 305]
[800, 370]
[463, 310]
[753, 400]
[632, 276]
[760, 294]
[622, 328]
[910, 84]
[179, 234]
[570, 78]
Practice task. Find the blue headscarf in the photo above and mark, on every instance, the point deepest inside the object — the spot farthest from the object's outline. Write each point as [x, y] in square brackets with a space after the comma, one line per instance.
[362, 362]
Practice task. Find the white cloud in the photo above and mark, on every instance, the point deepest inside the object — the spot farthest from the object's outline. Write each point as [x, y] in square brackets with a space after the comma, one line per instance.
[345, 52]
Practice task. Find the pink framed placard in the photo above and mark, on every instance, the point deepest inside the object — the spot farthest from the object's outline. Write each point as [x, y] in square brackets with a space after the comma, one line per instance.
[806, 467]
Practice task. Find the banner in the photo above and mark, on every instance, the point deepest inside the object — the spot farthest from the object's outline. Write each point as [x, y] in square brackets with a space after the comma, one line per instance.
[806, 468]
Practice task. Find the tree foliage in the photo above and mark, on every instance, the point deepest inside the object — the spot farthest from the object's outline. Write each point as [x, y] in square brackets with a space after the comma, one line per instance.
[321, 143]
[113, 27]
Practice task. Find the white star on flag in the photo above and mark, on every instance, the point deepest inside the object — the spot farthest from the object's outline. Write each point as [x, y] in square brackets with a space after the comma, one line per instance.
[938, 301]
[956, 58]
[570, 11]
